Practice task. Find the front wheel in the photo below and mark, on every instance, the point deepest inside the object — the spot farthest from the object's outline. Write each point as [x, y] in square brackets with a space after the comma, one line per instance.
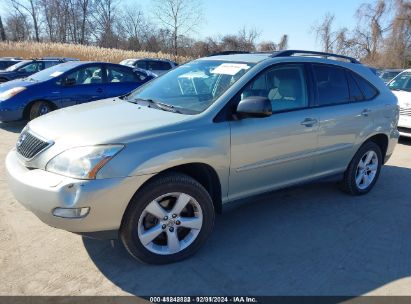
[168, 220]
[39, 108]
[364, 170]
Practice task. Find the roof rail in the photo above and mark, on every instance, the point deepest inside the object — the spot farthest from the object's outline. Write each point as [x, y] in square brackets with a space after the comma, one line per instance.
[287, 53]
[228, 53]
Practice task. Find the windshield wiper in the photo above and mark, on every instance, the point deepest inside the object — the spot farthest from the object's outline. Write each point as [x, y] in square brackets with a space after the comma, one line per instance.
[158, 104]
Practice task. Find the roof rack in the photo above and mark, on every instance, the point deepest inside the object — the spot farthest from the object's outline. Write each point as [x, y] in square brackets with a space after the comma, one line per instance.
[287, 53]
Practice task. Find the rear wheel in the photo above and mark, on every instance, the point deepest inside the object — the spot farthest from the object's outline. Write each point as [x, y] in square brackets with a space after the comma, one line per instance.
[39, 108]
[168, 220]
[364, 170]
[3, 80]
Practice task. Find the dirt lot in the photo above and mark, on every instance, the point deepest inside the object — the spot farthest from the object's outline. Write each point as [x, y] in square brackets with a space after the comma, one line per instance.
[310, 240]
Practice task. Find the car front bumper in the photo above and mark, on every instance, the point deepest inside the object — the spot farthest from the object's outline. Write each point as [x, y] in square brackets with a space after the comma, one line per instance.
[41, 192]
[8, 114]
[404, 125]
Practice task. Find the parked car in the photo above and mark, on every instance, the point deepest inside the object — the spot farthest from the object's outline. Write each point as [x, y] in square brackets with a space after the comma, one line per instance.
[157, 66]
[64, 85]
[6, 62]
[26, 68]
[401, 87]
[388, 74]
[154, 167]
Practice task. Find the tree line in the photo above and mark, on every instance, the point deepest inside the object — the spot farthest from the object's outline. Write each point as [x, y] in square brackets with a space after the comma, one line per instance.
[381, 37]
[168, 28]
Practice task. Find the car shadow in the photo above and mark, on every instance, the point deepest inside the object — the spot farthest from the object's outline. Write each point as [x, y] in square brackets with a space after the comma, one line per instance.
[14, 127]
[307, 240]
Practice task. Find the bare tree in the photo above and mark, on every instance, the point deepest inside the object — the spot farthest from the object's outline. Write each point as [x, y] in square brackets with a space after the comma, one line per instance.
[267, 46]
[133, 25]
[324, 32]
[180, 17]
[283, 44]
[31, 8]
[2, 31]
[370, 28]
[105, 18]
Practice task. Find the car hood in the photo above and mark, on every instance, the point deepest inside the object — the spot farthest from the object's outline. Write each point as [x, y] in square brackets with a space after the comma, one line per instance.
[110, 120]
[404, 99]
[15, 83]
[7, 73]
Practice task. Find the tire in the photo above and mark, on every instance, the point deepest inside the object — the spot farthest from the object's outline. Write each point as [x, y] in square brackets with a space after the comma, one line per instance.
[39, 108]
[167, 190]
[356, 171]
[2, 80]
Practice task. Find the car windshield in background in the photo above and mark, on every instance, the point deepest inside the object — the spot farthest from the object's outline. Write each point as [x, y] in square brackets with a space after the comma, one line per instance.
[193, 86]
[386, 76]
[16, 66]
[401, 83]
[50, 73]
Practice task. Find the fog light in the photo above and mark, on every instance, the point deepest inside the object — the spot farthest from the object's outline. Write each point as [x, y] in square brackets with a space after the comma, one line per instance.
[71, 212]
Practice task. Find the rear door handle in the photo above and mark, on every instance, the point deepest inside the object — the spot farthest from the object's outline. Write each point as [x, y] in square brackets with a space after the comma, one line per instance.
[99, 90]
[309, 122]
[366, 112]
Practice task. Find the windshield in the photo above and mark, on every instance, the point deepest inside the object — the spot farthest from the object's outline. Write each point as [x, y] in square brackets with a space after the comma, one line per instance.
[51, 72]
[16, 66]
[193, 86]
[401, 82]
[388, 75]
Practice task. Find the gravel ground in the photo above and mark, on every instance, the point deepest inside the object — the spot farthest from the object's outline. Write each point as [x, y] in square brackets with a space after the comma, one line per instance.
[308, 240]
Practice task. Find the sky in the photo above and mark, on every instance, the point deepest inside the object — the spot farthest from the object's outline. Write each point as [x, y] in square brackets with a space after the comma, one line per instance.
[273, 18]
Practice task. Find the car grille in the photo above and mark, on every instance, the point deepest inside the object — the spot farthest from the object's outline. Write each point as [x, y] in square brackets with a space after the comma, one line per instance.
[404, 130]
[406, 112]
[29, 145]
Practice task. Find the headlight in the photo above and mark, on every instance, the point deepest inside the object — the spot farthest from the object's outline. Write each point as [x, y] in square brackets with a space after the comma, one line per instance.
[83, 162]
[10, 93]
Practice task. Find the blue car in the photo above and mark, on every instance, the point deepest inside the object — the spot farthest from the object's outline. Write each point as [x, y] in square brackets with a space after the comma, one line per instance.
[6, 62]
[25, 68]
[65, 85]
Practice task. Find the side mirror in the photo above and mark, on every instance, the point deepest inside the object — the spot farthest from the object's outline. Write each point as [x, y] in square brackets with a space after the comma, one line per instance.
[69, 82]
[254, 106]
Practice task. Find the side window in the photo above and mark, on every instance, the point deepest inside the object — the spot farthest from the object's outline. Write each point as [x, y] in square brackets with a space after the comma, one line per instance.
[331, 85]
[48, 64]
[355, 92]
[285, 86]
[118, 74]
[367, 89]
[142, 64]
[158, 66]
[86, 75]
[33, 67]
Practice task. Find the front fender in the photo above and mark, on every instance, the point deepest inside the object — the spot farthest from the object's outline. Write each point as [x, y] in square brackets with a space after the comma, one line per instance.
[208, 145]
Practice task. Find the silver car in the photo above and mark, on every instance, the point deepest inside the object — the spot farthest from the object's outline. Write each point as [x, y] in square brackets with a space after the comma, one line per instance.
[153, 167]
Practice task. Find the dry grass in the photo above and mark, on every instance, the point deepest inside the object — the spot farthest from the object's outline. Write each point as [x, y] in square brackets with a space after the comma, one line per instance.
[30, 49]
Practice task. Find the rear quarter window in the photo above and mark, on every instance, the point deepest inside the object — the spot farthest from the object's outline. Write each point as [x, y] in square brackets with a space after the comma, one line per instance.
[367, 89]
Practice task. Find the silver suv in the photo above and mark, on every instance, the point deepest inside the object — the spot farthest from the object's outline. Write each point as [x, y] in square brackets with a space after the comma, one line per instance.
[154, 167]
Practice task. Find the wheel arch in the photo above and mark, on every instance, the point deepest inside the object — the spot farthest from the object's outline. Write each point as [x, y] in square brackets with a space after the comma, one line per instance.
[202, 173]
[382, 140]
[26, 110]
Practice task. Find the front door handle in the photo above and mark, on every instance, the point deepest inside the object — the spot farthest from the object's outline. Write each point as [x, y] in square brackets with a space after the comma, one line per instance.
[366, 112]
[309, 122]
[99, 90]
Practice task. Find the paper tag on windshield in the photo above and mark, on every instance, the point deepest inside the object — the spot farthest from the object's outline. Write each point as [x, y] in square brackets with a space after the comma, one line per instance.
[230, 68]
[55, 74]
